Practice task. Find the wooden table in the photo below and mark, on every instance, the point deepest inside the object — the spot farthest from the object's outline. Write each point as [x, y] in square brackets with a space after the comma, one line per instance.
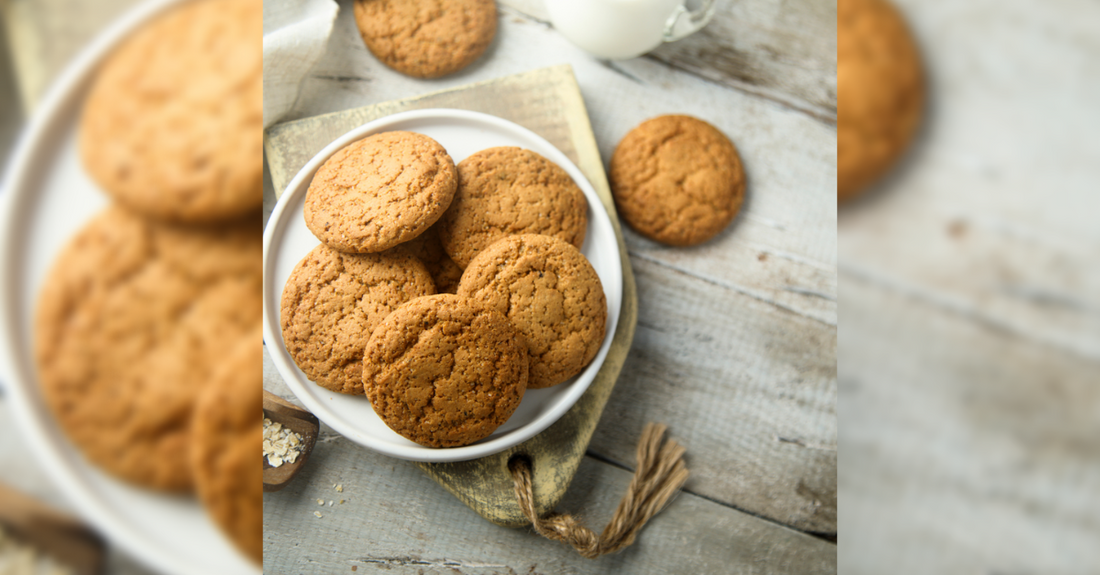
[735, 343]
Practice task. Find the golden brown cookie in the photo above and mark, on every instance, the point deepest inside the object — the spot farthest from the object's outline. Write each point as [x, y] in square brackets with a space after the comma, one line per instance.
[553, 296]
[428, 249]
[173, 125]
[334, 300]
[132, 321]
[510, 191]
[677, 180]
[426, 38]
[880, 92]
[226, 437]
[444, 372]
[379, 192]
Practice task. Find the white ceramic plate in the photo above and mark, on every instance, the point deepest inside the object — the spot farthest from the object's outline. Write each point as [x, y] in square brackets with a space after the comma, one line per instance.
[46, 198]
[287, 240]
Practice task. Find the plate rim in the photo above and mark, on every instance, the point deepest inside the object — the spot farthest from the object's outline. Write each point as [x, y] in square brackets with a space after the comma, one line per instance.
[273, 337]
[43, 439]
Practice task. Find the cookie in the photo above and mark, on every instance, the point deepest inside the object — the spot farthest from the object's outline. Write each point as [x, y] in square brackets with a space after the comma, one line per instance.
[334, 300]
[428, 249]
[550, 291]
[880, 92]
[510, 191]
[173, 124]
[227, 435]
[426, 38]
[443, 371]
[132, 321]
[379, 192]
[677, 180]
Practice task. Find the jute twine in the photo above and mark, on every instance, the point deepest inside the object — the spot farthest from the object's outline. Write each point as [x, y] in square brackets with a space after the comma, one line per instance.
[660, 474]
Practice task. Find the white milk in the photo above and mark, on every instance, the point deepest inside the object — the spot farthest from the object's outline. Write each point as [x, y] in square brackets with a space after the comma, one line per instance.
[622, 29]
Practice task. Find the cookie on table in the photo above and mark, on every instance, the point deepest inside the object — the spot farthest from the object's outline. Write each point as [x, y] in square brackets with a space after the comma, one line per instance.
[677, 180]
[334, 300]
[132, 321]
[173, 124]
[428, 249]
[509, 191]
[552, 294]
[227, 435]
[426, 38]
[379, 192]
[443, 371]
[880, 92]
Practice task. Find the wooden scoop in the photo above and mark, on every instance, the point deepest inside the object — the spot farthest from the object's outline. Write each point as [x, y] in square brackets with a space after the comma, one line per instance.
[54, 534]
[297, 420]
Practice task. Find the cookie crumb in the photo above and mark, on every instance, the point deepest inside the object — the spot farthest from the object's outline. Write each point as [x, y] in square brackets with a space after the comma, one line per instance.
[339, 488]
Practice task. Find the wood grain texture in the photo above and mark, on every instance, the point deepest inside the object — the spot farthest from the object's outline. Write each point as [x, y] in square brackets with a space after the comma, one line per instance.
[778, 255]
[971, 340]
[389, 516]
[783, 51]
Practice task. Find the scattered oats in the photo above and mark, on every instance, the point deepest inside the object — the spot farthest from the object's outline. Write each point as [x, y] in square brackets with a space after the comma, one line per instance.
[18, 558]
[339, 488]
[318, 514]
[281, 445]
[320, 502]
[330, 503]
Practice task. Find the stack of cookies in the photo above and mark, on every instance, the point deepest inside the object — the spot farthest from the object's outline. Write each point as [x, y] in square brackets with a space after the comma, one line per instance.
[147, 335]
[442, 292]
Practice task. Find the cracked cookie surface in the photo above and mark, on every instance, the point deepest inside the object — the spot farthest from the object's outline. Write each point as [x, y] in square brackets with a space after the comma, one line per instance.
[227, 435]
[510, 191]
[173, 124]
[880, 92]
[334, 300]
[550, 291]
[132, 321]
[443, 371]
[379, 192]
[677, 180]
[426, 38]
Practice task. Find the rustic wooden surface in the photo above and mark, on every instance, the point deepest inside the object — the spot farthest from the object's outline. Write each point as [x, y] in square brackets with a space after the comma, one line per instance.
[735, 344]
[970, 348]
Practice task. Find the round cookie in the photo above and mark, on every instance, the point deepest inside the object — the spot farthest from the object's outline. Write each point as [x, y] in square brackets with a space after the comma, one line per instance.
[428, 249]
[677, 180]
[173, 124]
[880, 92]
[226, 436]
[132, 322]
[443, 371]
[334, 300]
[553, 296]
[426, 38]
[379, 192]
[511, 191]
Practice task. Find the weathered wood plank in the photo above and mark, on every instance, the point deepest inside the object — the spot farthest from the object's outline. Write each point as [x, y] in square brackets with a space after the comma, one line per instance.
[393, 517]
[783, 51]
[966, 449]
[971, 341]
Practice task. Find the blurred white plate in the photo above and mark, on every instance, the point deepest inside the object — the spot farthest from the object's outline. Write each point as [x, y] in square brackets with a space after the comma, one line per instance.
[46, 198]
[287, 240]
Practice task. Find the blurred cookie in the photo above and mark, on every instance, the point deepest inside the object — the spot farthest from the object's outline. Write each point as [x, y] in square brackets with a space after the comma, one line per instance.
[428, 249]
[334, 300]
[677, 180]
[379, 192]
[132, 321]
[509, 191]
[443, 371]
[550, 291]
[227, 436]
[173, 124]
[426, 38]
[880, 92]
